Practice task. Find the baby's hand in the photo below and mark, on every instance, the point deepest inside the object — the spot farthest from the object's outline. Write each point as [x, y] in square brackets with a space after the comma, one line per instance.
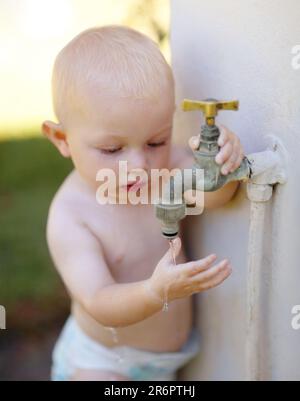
[185, 279]
[231, 153]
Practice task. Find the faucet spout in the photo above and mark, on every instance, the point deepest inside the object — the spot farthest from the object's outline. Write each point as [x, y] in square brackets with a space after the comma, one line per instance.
[171, 208]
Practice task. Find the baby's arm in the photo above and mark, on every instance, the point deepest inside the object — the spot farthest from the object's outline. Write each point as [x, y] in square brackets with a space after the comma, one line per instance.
[79, 259]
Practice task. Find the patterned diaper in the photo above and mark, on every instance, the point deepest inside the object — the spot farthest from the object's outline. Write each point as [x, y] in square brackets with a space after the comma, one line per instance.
[75, 350]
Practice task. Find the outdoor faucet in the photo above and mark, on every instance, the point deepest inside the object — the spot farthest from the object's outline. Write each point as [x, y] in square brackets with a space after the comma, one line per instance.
[208, 146]
[171, 211]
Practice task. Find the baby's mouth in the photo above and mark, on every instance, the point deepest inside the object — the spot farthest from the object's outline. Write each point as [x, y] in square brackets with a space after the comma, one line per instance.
[134, 186]
[130, 186]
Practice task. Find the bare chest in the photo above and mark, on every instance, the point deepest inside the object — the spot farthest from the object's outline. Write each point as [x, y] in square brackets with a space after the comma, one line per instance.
[131, 240]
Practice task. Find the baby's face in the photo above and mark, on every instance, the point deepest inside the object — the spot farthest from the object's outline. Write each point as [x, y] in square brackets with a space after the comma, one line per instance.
[115, 129]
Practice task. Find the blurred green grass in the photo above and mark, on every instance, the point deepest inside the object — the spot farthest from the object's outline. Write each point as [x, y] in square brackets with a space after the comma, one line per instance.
[31, 171]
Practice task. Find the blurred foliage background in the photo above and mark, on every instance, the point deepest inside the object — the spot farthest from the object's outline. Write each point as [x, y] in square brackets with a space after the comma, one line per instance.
[31, 34]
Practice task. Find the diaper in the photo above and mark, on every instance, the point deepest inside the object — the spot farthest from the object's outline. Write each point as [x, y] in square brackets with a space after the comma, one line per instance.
[75, 350]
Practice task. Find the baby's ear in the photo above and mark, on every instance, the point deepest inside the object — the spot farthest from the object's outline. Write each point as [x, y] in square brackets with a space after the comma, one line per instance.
[56, 135]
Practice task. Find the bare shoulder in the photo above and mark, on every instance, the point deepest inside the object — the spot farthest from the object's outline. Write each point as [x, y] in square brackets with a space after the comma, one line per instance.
[63, 201]
[180, 157]
[66, 210]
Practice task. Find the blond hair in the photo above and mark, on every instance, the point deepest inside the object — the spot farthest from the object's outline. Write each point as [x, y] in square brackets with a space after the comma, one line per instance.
[114, 58]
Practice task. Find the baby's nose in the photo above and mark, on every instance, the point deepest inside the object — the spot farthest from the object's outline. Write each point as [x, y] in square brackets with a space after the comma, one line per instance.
[137, 160]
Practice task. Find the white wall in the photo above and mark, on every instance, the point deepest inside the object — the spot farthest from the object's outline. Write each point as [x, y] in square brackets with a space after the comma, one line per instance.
[232, 49]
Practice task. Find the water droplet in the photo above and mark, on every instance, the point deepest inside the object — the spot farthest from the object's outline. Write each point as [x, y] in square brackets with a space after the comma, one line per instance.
[171, 242]
[114, 334]
[166, 306]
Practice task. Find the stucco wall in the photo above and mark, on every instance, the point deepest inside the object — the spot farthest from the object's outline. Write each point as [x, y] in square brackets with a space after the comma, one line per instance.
[233, 49]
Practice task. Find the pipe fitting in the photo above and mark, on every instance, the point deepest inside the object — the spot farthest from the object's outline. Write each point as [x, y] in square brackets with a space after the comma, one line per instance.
[169, 216]
[259, 192]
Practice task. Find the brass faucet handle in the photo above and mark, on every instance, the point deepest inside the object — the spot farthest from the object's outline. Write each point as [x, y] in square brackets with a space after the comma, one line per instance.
[209, 107]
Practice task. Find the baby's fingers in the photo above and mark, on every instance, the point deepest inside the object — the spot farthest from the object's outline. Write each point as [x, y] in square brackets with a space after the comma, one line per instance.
[215, 281]
[194, 142]
[219, 271]
[225, 153]
[197, 266]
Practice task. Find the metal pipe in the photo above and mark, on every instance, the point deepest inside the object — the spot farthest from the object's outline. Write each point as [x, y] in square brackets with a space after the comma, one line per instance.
[268, 169]
[259, 195]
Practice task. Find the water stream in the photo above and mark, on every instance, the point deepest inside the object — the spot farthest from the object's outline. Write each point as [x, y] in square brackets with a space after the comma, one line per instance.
[166, 304]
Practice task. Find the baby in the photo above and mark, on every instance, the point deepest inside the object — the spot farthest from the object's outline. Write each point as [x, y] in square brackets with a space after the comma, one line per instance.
[113, 95]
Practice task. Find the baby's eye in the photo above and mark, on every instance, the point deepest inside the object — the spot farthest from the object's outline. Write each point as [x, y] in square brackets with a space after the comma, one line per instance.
[110, 151]
[157, 144]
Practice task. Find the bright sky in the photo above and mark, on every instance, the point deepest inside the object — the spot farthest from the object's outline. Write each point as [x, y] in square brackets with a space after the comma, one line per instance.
[31, 34]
